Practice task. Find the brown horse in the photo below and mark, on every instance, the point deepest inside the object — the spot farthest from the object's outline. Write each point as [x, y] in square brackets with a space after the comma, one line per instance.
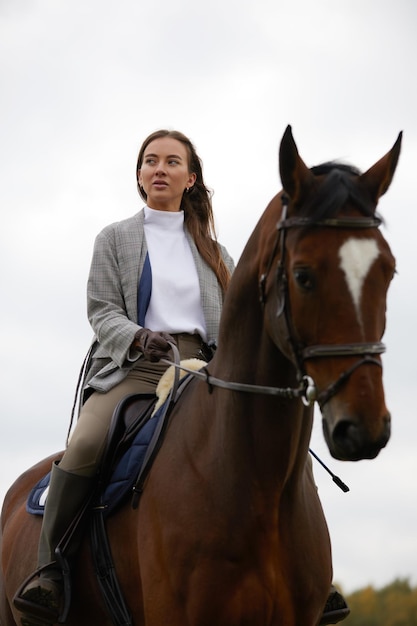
[229, 530]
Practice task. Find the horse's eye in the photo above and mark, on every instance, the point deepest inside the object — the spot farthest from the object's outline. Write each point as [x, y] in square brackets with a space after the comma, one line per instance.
[304, 278]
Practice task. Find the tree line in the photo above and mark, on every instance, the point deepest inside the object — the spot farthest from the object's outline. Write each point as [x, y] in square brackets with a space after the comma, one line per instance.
[393, 605]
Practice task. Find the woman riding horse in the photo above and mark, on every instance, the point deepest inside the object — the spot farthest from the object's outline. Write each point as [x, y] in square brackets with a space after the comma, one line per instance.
[230, 529]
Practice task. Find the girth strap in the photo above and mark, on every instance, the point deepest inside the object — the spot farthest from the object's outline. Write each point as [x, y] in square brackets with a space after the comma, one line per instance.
[105, 571]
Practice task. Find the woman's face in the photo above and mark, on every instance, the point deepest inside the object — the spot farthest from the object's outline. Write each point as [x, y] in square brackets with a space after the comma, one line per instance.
[164, 173]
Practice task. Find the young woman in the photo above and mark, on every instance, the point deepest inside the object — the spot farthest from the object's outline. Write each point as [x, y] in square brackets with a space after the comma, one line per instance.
[156, 277]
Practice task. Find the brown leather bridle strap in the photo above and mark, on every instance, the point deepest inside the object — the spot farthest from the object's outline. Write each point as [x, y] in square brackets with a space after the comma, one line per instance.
[342, 349]
[331, 222]
[325, 395]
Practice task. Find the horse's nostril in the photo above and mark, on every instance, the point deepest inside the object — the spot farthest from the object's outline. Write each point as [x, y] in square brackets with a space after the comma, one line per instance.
[346, 437]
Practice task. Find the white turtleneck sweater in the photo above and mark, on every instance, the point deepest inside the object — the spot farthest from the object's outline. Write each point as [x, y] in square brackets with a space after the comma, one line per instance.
[175, 304]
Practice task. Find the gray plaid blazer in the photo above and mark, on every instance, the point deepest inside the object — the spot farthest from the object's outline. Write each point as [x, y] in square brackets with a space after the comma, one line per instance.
[118, 259]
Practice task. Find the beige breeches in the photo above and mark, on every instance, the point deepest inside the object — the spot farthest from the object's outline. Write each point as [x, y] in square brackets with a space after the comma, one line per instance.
[87, 443]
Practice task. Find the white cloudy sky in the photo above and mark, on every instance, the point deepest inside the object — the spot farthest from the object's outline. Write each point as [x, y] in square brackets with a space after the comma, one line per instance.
[83, 82]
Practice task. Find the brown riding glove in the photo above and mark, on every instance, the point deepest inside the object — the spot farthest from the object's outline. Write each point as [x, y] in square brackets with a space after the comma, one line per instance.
[153, 345]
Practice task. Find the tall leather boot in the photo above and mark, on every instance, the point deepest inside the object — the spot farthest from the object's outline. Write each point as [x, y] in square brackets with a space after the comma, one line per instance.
[41, 599]
[336, 609]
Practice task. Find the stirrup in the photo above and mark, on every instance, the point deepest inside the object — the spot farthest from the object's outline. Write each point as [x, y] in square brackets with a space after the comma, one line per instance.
[38, 611]
[35, 611]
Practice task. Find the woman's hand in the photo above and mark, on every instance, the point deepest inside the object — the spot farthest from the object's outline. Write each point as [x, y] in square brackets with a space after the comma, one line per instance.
[153, 345]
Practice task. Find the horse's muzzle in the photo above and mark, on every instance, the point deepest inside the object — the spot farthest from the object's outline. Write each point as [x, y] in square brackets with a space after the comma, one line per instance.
[350, 440]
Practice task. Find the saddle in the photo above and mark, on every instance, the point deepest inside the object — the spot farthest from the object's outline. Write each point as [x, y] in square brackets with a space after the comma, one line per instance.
[129, 437]
[134, 438]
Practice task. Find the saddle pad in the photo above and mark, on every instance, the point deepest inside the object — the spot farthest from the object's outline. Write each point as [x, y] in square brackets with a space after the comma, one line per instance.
[121, 481]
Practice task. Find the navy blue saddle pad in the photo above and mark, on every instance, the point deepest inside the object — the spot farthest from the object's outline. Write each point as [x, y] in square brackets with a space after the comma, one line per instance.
[121, 480]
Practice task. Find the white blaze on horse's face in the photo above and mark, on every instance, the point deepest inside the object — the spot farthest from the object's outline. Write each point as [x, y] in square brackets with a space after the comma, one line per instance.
[356, 258]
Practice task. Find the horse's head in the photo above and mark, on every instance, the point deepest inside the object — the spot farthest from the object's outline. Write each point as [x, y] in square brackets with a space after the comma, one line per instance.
[325, 288]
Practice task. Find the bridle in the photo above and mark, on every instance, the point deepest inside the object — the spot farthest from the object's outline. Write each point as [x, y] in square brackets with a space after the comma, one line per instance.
[300, 354]
[306, 389]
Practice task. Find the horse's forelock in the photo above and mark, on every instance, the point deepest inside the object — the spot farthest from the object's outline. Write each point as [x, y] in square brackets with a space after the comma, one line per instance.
[338, 186]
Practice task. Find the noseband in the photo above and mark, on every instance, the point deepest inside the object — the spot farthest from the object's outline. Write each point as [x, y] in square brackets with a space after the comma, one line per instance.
[363, 350]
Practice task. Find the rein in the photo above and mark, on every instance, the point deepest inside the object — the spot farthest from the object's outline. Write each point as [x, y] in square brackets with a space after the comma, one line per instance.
[304, 391]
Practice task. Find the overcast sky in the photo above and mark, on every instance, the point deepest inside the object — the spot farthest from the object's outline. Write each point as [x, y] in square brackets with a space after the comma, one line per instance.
[83, 82]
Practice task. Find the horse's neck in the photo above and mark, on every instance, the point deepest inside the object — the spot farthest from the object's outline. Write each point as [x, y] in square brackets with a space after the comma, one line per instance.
[266, 435]
[260, 437]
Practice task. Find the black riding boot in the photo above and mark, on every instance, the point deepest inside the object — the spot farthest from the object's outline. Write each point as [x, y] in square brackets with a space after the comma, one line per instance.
[336, 608]
[41, 599]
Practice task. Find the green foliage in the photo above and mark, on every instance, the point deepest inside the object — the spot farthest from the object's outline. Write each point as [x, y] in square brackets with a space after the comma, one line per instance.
[393, 605]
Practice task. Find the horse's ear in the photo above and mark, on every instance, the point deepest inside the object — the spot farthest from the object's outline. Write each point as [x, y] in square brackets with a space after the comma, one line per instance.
[295, 175]
[378, 178]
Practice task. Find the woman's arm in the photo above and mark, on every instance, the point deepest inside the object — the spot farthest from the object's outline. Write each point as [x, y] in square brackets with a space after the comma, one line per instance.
[106, 308]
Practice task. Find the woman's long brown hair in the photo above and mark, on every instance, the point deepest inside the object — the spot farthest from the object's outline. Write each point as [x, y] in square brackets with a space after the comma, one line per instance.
[196, 204]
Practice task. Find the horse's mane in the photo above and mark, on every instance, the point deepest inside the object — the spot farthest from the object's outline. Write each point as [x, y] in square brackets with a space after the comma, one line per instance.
[339, 185]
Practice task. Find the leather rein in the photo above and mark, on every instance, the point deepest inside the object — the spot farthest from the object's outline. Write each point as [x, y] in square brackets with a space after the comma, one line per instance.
[306, 390]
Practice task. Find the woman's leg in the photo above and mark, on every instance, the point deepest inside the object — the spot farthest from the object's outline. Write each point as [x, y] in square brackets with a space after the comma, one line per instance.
[87, 443]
